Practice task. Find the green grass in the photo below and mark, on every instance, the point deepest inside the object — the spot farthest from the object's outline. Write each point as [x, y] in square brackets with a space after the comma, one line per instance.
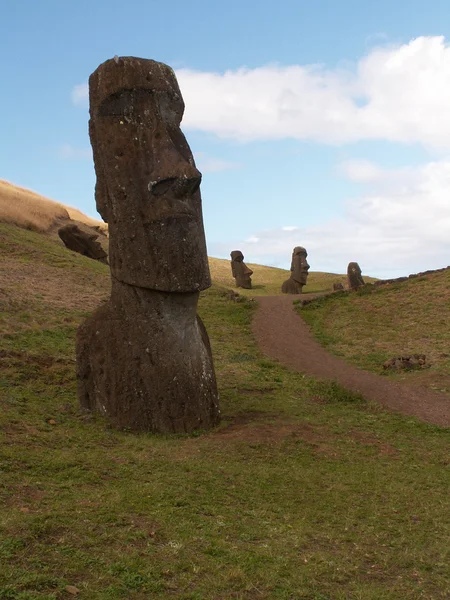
[371, 326]
[304, 492]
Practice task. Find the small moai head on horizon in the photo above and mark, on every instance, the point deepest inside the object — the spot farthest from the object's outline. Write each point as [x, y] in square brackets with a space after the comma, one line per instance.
[240, 271]
[299, 265]
[354, 277]
[148, 187]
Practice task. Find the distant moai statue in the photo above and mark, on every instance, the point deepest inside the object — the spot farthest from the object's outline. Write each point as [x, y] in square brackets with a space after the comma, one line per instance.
[240, 271]
[354, 278]
[84, 243]
[299, 272]
[143, 358]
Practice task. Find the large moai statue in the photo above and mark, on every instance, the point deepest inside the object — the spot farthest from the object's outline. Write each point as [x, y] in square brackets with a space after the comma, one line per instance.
[240, 271]
[354, 278]
[299, 272]
[143, 358]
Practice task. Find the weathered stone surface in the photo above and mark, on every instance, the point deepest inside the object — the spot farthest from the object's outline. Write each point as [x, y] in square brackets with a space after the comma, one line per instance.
[83, 243]
[241, 272]
[337, 286]
[406, 363]
[354, 277]
[148, 187]
[299, 272]
[143, 358]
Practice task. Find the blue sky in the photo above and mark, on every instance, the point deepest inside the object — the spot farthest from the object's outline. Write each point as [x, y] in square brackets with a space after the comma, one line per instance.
[322, 124]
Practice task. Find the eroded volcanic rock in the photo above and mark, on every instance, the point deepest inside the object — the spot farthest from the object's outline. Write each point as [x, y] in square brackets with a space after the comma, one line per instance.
[82, 242]
[143, 358]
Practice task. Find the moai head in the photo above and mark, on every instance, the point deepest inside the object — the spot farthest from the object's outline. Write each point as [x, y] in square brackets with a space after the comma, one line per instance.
[240, 271]
[299, 265]
[148, 188]
[82, 242]
[354, 277]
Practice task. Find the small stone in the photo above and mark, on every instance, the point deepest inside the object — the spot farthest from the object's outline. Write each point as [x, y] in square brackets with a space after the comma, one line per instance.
[71, 589]
[407, 363]
[51, 422]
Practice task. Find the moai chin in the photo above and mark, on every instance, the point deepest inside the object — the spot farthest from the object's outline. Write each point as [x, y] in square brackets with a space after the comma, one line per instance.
[143, 358]
[299, 272]
[354, 278]
[240, 271]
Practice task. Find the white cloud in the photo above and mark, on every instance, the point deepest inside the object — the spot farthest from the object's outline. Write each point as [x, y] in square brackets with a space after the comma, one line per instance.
[80, 94]
[72, 153]
[401, 226]
[361, 171]
[210, 164]
[397, 93]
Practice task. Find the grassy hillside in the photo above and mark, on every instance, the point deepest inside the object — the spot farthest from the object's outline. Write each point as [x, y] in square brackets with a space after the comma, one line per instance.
[27, 209]
[267, 280]
[405, 318]
[303, 492]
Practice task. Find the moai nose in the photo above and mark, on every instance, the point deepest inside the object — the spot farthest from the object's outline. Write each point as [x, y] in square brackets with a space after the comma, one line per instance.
[185, 181]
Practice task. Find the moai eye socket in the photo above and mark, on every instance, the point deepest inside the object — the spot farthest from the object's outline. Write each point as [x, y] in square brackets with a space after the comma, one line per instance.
[125, 103]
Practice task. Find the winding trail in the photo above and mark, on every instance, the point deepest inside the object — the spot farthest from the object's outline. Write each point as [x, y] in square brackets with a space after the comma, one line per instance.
[282, 334]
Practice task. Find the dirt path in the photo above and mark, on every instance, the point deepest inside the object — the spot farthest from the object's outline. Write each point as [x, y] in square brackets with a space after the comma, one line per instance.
[283, 335]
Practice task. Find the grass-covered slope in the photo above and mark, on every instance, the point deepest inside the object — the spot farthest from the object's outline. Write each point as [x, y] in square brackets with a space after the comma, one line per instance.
[25, 208]
[303, 492]
[267, 280]
[370, 327]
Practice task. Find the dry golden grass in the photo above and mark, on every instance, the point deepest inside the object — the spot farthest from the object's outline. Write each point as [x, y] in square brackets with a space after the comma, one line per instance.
[268, 280]
[265, 280]
[77, 215]
[30, 210]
